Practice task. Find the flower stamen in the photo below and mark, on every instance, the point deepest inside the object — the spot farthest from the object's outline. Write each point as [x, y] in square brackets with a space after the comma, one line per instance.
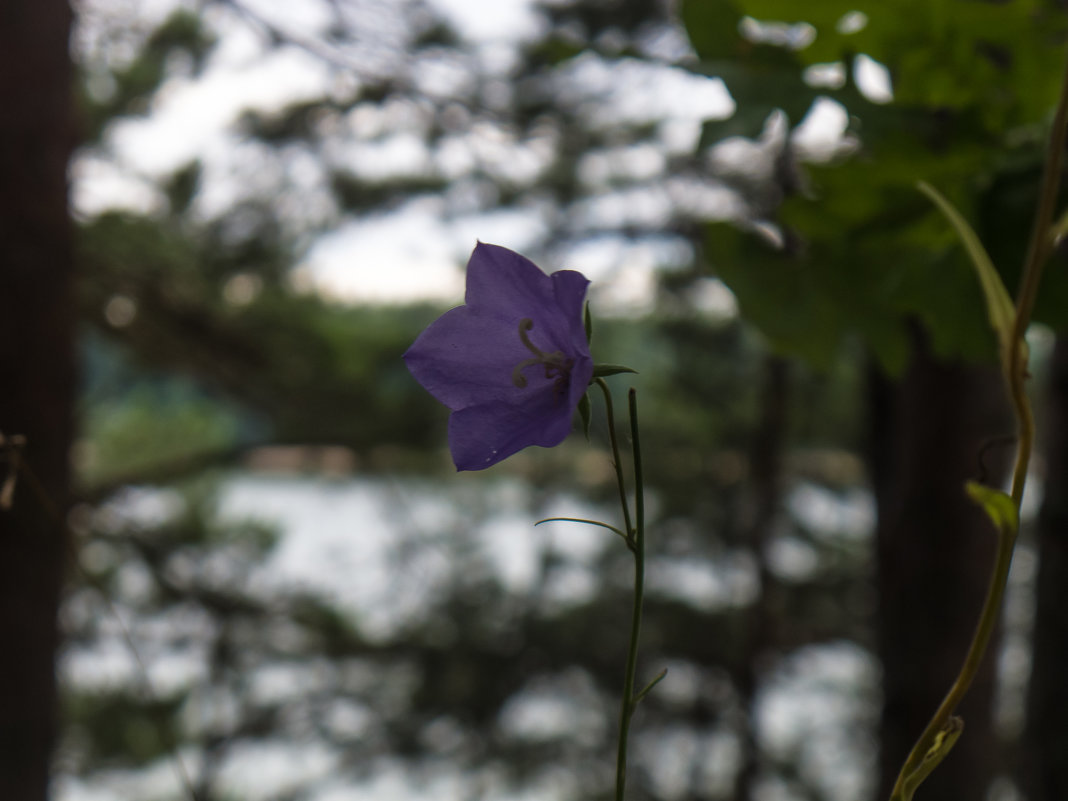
[557, 365]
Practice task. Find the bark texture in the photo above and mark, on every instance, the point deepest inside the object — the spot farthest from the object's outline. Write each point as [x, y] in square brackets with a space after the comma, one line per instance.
[765, 499]
[931, 431]
[1044, 756]
[36, 376]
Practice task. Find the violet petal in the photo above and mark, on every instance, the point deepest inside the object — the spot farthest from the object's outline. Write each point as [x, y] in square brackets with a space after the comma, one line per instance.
[512, 363]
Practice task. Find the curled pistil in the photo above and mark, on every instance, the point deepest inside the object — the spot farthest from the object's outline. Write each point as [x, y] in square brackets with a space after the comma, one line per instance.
[557, 365]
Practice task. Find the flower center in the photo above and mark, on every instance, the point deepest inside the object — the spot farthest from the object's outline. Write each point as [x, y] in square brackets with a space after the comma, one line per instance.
[556, 364]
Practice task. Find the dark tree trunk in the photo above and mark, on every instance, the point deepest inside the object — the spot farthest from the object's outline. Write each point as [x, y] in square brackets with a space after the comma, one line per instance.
[764, 502]
[36, 376]
[1044, 756]
[935, 550]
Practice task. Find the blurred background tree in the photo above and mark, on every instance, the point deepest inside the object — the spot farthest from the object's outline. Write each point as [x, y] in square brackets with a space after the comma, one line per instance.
[37, 389]
[972, 83]
[233, 407]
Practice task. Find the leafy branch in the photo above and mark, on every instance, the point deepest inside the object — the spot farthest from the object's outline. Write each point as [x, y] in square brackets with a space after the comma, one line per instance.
[1010, 324]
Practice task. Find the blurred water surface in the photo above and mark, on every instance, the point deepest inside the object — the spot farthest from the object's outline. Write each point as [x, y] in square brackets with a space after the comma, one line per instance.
[402, 638]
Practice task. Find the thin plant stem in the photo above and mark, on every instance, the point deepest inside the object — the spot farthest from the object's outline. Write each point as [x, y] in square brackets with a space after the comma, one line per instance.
[635, 539]
[973, 659]
[630, 700]
[1037, 251]
[617, 461]
[1016, 378]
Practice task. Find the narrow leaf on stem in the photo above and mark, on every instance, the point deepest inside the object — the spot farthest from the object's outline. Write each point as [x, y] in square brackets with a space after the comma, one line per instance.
[584, 415]
[999, 306]
[944, 740]
[998, 506]
[583, 520]
[602, 370]
[644, 691]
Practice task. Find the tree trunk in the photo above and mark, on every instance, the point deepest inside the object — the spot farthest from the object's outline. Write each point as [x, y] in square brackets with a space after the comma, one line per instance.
[36, 377]
[935, 551]
[1044, 756]
[765, 501]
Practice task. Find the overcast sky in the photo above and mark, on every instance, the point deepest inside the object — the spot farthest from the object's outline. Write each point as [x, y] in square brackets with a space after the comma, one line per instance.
[410, 253]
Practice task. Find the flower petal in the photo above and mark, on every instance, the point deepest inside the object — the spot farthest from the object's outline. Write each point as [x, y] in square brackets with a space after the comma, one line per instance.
[517, 321]
[503, 283]
[569, 291]
[480, 436]
[581, 375]
[464, 358]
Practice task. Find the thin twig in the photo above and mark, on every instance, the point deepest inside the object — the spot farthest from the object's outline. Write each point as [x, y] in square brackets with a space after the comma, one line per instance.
[630, 701]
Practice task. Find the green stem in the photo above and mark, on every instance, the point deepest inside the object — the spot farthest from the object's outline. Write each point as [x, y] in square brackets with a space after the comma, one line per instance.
[1016, 377]
[617, 462]
[972, 661]
[1037, 251]
[1042, 232]
[630, 701]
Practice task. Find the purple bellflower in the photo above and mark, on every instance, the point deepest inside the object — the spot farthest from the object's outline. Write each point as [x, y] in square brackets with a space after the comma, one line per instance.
[512, 363]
